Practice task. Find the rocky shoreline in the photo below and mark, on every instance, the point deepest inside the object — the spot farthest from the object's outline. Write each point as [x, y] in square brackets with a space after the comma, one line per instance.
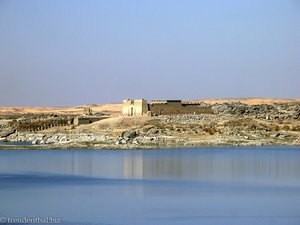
[232, 124]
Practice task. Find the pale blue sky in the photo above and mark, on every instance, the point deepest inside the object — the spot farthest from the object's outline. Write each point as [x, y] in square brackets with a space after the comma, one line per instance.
[56, 52]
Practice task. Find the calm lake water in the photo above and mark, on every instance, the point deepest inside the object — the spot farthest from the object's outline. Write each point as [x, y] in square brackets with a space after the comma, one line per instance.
[219, 186]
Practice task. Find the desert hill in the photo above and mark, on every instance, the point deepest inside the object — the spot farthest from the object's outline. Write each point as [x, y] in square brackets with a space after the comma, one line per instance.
[249, 101]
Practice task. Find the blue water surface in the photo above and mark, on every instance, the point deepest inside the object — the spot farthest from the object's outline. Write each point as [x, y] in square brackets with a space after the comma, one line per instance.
[223, 186]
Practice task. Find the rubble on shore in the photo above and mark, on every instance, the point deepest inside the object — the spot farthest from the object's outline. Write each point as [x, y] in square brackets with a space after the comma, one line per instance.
[232, 124]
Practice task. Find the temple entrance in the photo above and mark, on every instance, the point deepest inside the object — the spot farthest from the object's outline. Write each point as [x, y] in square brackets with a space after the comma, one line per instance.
[131, 111]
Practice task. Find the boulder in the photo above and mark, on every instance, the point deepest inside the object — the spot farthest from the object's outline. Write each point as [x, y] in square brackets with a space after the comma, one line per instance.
[129, 134]
[135, 142]
[123, 141]
[35, 142]
[7, 133]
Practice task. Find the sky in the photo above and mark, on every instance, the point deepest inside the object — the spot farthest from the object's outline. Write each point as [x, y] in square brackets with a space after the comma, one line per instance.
[67, 53]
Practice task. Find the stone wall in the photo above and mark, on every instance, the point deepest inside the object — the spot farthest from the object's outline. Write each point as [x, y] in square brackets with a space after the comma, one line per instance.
[78, 120]
[172, 108]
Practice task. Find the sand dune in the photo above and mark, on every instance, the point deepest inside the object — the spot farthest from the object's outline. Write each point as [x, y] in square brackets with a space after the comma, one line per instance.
[111, 108]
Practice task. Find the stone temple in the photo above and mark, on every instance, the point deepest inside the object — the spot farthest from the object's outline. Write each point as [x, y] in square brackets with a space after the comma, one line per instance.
[142, 107]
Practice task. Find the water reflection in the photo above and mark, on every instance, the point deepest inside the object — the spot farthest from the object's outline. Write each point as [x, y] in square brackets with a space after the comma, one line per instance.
[185, 186]
[271, 166]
